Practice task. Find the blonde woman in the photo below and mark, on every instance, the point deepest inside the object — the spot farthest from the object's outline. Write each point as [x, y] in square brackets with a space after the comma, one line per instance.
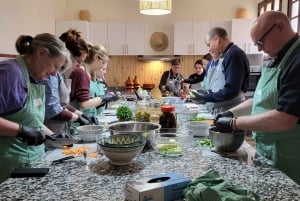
[81, 88]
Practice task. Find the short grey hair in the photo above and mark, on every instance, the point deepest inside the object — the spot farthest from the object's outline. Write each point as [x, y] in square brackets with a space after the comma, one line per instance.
[218, 31]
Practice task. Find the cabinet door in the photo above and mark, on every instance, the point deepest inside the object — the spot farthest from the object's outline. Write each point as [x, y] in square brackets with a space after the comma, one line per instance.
[200, 29]
[62, 26]
[183, 38]
[135, 36]
[240, 34]
[116, 38]
[98, 33]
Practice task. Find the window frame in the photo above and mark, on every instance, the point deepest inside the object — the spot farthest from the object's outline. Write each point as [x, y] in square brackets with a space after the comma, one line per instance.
[264, 4]
[289, 12]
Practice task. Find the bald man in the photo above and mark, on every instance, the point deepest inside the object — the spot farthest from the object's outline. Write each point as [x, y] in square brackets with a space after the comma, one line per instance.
[275, 107]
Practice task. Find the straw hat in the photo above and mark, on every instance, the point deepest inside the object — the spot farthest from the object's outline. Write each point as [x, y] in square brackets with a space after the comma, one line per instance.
[159, 41]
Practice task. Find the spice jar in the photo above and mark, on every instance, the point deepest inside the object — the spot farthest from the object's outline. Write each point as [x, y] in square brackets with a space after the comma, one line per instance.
[167, 119]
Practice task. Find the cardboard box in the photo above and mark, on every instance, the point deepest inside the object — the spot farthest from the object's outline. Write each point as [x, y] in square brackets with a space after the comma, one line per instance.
[163, 187]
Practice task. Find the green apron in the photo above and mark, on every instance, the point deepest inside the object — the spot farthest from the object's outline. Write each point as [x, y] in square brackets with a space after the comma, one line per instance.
[280, 148]
[97, 89]
[13, 152]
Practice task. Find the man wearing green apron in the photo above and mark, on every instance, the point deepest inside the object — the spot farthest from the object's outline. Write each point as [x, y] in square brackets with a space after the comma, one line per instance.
[22, 107]
[275, 106]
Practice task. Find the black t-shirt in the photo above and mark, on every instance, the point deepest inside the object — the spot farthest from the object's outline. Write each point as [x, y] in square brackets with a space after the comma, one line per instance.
[288, 84]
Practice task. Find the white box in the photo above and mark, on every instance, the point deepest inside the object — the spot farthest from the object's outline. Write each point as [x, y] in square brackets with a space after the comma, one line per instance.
[164, 187]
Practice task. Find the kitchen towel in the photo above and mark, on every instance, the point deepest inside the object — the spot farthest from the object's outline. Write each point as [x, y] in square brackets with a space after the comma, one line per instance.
[211, 187]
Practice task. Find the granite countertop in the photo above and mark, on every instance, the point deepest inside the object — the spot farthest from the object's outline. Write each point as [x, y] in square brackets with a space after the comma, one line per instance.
[72, 180]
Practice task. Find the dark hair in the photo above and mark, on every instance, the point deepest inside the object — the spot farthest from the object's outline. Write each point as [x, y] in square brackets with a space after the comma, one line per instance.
[218, 31]
[26, 44]
[207, 57]
[74, 42]
[199, 61]
[175, 62]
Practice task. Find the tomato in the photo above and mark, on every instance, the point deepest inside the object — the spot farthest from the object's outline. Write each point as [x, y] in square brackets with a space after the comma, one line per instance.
[183, 96]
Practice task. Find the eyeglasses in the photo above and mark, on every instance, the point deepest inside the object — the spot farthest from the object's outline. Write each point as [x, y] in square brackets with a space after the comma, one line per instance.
[260, 41]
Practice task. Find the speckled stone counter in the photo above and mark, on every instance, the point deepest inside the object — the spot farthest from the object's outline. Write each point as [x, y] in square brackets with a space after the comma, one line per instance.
[71, 180]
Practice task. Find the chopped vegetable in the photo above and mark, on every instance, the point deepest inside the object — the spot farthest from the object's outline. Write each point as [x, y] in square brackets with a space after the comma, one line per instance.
[124, 113]
[205, 143]
[169, 149]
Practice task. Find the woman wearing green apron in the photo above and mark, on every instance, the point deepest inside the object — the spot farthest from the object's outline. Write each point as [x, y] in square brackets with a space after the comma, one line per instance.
[22, 100]
[81, 96]
[275, 105]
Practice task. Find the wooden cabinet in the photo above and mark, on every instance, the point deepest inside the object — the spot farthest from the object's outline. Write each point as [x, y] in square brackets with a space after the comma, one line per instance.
[126, 38]
[98, 33]
[62, 26]
[189, 38]
[240, 34]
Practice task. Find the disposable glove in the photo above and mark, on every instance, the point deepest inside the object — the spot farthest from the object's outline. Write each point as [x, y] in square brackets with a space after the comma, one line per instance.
[82, 120]
[91, 119]
[109, 98]
[198, 95]
[223, 124]
[32, 136]
[224, 114]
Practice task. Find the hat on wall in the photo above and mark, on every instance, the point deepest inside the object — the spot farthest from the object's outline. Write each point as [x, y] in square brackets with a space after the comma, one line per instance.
[159, 41]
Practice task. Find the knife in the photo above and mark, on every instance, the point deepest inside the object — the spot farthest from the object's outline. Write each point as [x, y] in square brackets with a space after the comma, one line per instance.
[62, 159]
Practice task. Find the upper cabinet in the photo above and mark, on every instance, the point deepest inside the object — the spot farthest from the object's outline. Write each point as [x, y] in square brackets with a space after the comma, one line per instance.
[126, 38]
[98, 33]
[189, 38]
[62, 26]
[240, 34]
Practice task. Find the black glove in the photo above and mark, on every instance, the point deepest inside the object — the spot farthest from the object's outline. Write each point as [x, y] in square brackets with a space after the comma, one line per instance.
[223, 124]
[91, 119]
[198, 95]
[224, 114]
[109, 98]
[33, 136]
[82, 120]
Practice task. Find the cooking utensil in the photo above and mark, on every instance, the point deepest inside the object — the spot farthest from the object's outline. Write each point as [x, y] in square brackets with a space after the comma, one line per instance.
[62, 159]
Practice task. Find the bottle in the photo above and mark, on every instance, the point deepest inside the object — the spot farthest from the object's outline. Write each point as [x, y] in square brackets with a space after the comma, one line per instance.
[167, 119]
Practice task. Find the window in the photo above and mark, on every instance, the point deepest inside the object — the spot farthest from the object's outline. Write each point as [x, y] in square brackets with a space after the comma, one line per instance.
[268, 5]
[293, 13]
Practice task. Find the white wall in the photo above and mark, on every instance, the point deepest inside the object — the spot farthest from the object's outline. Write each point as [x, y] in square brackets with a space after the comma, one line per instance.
[37, 16]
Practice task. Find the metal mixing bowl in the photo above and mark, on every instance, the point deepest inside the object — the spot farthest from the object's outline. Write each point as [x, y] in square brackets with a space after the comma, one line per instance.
[145, 129]
[227, 142]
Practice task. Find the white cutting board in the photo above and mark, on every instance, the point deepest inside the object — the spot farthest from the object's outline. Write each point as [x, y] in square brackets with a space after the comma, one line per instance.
[58, 153]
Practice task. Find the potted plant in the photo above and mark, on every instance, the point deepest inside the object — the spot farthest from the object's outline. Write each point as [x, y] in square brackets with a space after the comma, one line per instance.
[124, 113]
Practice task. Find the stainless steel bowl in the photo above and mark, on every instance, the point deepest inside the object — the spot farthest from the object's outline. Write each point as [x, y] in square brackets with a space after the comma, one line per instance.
[227, 142]
[145, 129]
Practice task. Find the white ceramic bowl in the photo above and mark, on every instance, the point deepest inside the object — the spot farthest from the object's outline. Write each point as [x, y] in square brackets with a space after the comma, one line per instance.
[198, 128]
[89, 133]
[121, 154]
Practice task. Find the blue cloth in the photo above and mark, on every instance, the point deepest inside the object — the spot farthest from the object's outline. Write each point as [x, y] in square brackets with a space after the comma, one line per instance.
[53, 106]
[236, 70]
[13, 90]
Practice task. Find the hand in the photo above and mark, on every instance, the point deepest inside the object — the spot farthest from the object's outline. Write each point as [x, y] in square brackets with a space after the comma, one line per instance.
[91, 119]
[109, 98]
[82, 120]
[33, 136]
[224, 114]
[223, 124]
[198, 95]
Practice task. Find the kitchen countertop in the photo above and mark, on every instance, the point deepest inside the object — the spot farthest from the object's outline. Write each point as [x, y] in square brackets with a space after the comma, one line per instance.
[71, 180]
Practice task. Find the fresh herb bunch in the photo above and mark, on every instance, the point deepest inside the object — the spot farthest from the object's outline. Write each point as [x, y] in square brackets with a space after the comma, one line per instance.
[124, 113]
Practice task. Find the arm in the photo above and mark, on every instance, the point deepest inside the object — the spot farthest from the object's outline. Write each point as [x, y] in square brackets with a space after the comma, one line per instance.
[242, 109]
[268, 121]
[80, 89]
[163, 80]
[194, 78]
